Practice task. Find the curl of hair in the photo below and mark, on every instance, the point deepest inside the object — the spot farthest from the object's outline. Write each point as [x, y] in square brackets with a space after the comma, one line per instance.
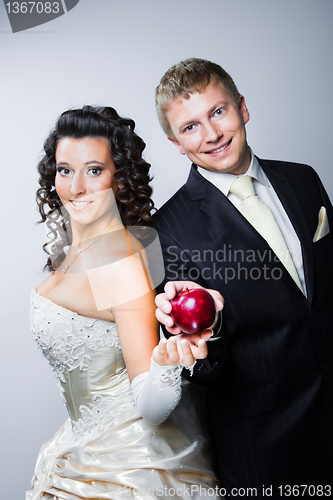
[132, 173]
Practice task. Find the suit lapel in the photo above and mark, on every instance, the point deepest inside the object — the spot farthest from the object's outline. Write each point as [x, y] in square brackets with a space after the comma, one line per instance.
[290, 202]
[218, 207]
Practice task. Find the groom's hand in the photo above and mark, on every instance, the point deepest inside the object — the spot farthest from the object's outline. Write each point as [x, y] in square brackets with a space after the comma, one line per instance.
[164, 308]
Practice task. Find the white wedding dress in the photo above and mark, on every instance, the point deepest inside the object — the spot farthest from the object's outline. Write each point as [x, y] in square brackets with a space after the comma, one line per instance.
[106, 450]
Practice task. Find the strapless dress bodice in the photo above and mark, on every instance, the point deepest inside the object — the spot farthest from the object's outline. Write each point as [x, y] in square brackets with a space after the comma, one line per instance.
[87, 360]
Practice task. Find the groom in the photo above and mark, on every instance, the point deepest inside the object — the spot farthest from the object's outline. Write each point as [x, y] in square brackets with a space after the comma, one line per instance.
[269, 373]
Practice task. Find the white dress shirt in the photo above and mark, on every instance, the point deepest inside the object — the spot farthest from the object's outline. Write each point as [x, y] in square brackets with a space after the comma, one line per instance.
[266, 193]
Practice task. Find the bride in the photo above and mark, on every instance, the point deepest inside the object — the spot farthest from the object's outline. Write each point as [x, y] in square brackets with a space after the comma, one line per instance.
[93, 319]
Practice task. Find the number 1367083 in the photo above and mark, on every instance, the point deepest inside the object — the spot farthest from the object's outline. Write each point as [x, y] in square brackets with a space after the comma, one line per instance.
[305, 490]
[33, 7]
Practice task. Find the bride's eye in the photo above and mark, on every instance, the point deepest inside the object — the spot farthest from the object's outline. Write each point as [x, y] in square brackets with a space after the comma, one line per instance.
[94, 171]
[63, 171]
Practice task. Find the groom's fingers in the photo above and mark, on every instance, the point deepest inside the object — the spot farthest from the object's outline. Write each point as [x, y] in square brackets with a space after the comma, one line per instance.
[173, 287]
[163, 303]
[194, 338]
[167, 321]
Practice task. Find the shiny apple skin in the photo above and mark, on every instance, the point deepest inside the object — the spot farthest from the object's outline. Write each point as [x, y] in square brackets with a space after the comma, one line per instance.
[193, 310]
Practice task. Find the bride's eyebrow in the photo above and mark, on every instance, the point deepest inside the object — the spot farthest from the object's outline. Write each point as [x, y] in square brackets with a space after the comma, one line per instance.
[95, 162]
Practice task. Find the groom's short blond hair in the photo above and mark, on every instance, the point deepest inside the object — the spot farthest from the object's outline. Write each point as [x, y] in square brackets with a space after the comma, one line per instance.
[186, 77]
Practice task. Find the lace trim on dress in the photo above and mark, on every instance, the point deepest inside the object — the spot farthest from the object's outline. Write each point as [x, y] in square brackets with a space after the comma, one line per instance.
[96, 418]
[62, 335]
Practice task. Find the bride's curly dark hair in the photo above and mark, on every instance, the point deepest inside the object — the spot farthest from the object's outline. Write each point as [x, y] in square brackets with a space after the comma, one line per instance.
[132, 173]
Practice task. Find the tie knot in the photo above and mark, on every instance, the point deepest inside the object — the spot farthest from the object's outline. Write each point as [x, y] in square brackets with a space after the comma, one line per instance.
[243, 187]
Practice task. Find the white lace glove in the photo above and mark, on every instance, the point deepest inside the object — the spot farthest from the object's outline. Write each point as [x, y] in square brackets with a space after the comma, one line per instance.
[157, 392]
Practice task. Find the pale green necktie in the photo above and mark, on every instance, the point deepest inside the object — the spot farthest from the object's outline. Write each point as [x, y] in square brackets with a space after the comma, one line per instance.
[259, 215]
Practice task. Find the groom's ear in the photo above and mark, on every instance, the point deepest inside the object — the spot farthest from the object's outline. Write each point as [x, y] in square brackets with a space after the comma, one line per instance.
[178, 145]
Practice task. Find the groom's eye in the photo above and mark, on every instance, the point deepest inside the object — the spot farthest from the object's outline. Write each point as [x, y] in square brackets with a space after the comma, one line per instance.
[189, 128]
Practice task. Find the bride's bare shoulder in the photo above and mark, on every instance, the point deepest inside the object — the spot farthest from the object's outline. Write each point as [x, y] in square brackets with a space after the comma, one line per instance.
[49, 283]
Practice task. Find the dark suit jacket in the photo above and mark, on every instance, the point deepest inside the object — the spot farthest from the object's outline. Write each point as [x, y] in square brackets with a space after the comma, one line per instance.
[270, 391]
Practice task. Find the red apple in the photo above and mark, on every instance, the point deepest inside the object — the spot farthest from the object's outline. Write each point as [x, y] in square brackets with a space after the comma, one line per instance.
[193, 310]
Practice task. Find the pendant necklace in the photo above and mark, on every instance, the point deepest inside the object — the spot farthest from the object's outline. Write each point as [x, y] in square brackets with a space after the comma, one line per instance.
[68, 265]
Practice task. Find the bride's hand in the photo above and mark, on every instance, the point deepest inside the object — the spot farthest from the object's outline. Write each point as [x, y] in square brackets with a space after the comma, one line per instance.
[176, 351]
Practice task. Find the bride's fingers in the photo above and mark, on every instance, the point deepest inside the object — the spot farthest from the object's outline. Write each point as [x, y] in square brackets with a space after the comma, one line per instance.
[201, 351]
[173, 350]
[160, 353]
[187, 356]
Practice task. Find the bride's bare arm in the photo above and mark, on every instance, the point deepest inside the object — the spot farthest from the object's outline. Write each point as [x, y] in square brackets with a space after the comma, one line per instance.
[154, 368]
[138, 332]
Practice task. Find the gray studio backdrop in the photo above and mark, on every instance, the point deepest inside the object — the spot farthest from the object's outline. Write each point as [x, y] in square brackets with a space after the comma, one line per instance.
[114, 53]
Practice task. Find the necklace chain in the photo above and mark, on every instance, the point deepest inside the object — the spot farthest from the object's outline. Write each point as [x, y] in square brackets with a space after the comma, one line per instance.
[81, 250]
